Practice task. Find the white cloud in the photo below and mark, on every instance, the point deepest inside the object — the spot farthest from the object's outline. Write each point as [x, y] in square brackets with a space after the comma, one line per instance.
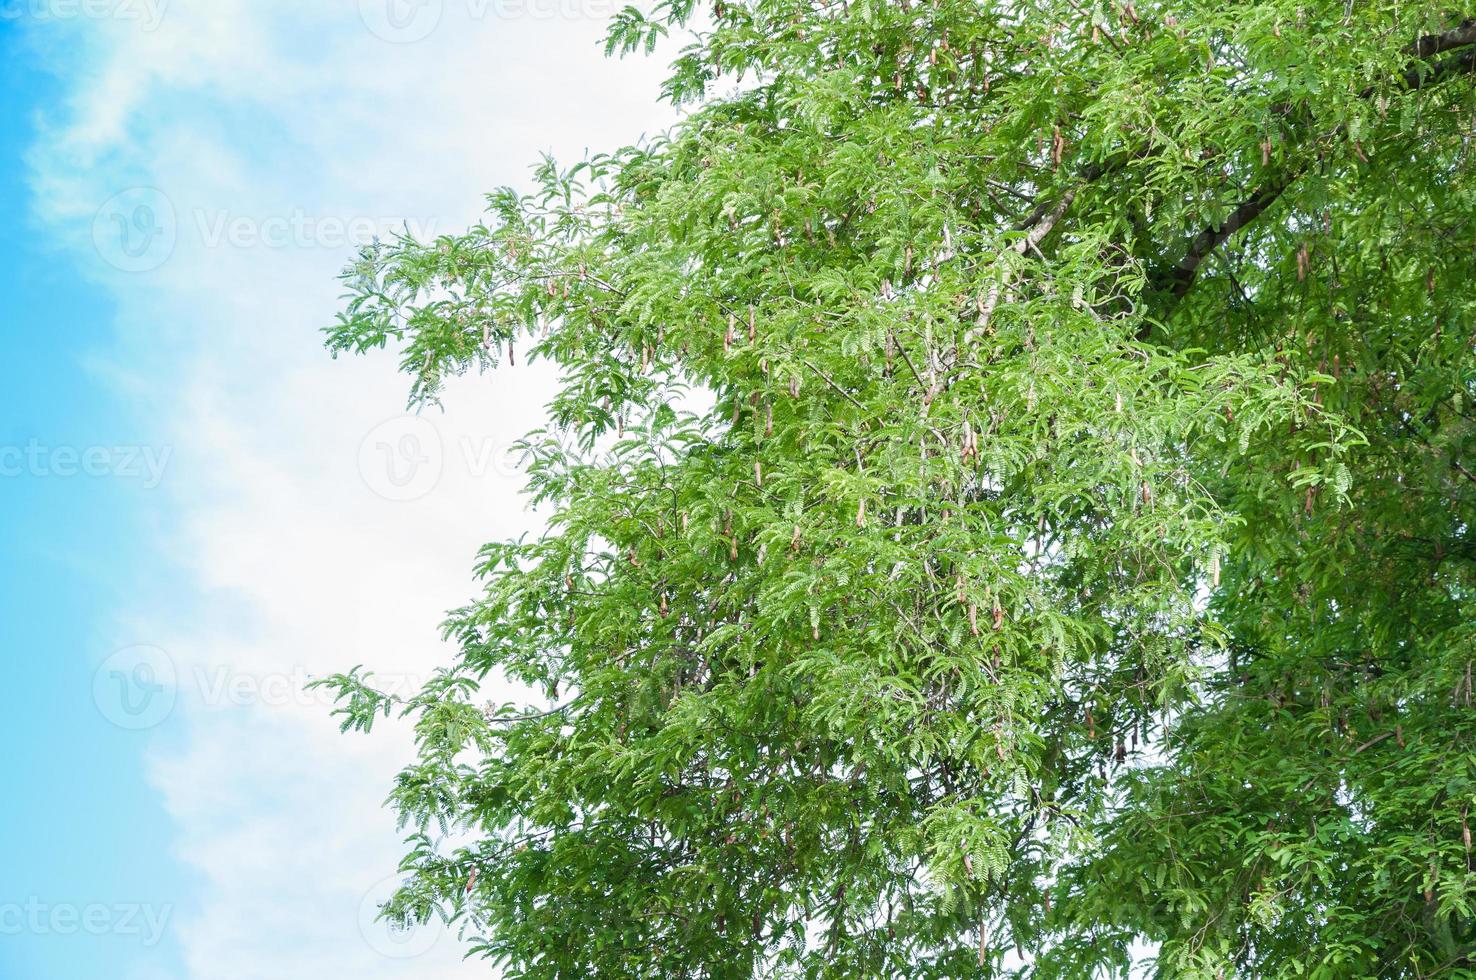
[268, 114]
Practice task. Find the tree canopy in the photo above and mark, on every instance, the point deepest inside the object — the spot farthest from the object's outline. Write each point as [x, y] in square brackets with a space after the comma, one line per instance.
[1010, 496]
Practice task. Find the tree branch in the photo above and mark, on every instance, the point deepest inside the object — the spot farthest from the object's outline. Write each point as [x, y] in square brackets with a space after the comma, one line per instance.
[1433, 44]
[1179, 279]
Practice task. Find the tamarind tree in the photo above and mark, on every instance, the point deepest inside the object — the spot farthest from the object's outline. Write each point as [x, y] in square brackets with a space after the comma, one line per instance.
[1011, 497]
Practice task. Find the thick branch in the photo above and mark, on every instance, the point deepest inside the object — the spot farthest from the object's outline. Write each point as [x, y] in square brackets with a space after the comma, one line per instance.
[1433, 44]
[1423, 77]
[1039, 225]
[1179, 279]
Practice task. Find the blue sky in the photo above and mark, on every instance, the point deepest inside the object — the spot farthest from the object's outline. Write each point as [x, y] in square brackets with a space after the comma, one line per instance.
[197, 511]
[83, 827]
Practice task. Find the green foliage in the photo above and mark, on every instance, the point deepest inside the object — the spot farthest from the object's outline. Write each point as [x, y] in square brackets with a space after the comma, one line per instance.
[1011, 500]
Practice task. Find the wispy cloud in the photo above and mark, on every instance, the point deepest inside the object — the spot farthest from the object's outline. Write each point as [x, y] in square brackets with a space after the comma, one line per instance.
[216, 165]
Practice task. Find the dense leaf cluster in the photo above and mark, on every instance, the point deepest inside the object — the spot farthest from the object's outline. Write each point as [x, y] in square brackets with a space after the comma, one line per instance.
[1010, 495]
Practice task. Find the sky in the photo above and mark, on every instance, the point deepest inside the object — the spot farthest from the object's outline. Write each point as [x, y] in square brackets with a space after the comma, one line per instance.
[200, 509]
